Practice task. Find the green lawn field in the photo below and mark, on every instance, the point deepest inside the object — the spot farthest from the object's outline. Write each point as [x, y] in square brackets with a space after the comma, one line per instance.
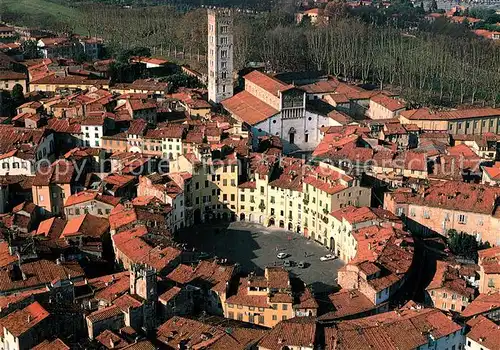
[41, 8]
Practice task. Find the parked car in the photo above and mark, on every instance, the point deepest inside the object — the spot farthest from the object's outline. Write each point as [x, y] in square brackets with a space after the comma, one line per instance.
[327, 257]
[302, 265]
[282, 255]
[287, 263]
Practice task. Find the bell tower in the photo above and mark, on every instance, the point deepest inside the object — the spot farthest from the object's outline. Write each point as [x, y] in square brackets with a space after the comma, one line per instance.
[220, 54]
[143, 282]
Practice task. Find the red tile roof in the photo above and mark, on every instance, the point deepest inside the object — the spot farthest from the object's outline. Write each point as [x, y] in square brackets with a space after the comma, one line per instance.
[179, 330]
[110, 340]
[355, 215]
[105, 314]
[85, 196]
[141, 104]
[299, 332]
[70, 80]
[242, 298]
[384, 249]
[482, 304]
[137, 127]
[347, 303]
[126, 301]
[6, 258]
[169, 295]
[131, 243]
[86, 225]
[270, 84]
[454, 195]
[10, 75]
[493, 171]
[277, 277]
[38, 273]
[248, 108]
[390, 103]
[401, 160]
[489, 260]
[50, 228]
[198, 335]
[484, 332]
[56, 344]
[322, 86]
[215, 275]
[448, 278]
[428, 114]
[119, 180]
[64, 126]
[21, 321]
[182, 274]
[110, 287]
[386, 330]
[61, 171]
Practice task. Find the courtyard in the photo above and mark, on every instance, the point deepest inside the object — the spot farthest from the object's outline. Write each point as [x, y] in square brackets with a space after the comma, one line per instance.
[254, 247]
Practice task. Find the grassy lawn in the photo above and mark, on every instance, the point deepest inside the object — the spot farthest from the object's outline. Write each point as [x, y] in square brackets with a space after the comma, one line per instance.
[44, 8]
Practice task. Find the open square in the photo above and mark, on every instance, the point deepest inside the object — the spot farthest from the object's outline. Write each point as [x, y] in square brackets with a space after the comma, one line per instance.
[254, 247]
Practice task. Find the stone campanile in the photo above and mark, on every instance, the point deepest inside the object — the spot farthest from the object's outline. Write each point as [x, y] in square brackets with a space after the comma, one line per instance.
[220, 54]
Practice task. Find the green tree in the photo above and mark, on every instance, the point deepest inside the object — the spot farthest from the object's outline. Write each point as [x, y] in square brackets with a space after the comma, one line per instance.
[463, 244]
[433, 7]
[29, 49]
[182, 80]
[124, 56]
[17, 94]
[80, 57]
[7, 108]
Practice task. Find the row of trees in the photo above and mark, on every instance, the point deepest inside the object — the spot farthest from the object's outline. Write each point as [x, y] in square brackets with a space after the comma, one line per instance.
[425, 67]
[441, 64]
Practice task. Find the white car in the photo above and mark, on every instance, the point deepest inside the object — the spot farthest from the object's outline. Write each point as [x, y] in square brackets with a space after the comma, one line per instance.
[328, 257]
[281, 255]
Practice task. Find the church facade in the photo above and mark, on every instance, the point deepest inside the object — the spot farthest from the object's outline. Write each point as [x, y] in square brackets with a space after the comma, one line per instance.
[269, 106]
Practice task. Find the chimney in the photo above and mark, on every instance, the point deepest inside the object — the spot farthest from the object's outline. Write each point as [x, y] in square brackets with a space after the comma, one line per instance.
[29, 318]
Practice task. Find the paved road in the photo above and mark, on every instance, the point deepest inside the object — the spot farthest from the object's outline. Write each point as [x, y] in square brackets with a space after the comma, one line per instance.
[254, 247]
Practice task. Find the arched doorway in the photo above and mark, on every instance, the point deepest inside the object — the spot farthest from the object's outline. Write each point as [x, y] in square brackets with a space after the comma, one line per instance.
[282, 224]
[298, 228]
[271, 222]
[332, 244]
[290, 226]
[197, 216]
[250, 217]
[325, 242]
[291, 135]
[261, 219]
[242, 217]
